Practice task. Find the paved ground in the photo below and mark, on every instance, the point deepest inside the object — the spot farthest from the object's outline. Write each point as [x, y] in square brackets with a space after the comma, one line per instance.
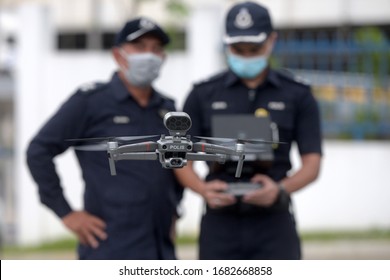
[331, 250]
[354, 250]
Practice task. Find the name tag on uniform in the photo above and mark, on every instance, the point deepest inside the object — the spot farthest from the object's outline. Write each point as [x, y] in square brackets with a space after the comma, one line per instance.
[278, 106]
[219, 105]
[121, 119]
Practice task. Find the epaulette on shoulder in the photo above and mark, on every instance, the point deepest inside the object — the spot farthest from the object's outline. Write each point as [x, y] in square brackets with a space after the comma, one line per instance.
[166, 98]
[89, 88]
[210, 79]
[291, 76]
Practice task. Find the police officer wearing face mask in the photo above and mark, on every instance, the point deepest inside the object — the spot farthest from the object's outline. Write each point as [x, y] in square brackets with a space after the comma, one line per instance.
[260, 224]
[128, 216]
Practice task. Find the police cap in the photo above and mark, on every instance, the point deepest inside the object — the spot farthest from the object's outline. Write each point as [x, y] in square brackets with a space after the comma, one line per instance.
[138, 27]
[247, 22]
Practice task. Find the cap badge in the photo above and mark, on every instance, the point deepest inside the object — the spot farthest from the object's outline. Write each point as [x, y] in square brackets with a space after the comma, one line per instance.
[146, 24]
[243, 19]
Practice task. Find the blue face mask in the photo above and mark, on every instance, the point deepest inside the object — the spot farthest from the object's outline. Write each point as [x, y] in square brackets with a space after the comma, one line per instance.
[246, 68]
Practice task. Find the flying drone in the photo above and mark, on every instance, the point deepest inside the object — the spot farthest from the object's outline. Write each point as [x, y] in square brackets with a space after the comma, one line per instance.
[175, 150]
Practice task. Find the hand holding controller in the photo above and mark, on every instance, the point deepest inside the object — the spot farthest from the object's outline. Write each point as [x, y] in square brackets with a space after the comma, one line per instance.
[242, 188]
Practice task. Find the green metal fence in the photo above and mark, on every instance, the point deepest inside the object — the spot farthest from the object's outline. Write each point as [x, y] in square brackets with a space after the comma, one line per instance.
[349, 74]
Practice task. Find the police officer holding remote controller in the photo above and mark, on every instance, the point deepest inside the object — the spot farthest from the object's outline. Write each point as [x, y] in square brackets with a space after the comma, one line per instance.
[258, 224]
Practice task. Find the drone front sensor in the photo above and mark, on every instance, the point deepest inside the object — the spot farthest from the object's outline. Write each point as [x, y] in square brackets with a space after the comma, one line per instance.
[178, 123]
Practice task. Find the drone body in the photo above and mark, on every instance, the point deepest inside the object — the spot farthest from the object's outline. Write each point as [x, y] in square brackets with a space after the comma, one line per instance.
[173, 150]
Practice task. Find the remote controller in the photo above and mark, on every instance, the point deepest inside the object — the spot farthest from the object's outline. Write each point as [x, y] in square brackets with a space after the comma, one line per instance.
[241, 188]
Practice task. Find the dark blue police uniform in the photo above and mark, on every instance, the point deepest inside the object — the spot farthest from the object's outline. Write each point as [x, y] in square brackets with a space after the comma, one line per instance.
[244, 231]
[139, 203]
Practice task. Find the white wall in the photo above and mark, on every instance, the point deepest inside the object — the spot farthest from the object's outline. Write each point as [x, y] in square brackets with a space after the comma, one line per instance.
[352, 192]
[296, 13]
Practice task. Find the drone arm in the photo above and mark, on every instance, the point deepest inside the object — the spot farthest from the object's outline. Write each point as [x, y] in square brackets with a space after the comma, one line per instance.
[206, 157]
[138, 147]
[213, 149]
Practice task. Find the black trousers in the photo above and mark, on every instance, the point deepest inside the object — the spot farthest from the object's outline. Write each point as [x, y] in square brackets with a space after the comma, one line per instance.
[233, 235]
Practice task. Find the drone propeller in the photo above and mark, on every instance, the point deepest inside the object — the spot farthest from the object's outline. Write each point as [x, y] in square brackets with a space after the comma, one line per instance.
[238, 140]
[254, 150]
[132, 138]
[114, 138]
[127, 148]
[93, 147]
[214, 139]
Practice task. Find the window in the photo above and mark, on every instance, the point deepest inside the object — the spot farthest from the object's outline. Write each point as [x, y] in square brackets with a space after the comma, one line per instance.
[68, 40]
[72, 41]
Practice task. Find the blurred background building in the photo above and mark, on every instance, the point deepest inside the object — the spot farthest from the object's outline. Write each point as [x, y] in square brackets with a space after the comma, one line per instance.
[341, 47]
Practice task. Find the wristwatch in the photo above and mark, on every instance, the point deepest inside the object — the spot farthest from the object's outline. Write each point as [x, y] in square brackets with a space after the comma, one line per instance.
[282, 188]
[283, 197]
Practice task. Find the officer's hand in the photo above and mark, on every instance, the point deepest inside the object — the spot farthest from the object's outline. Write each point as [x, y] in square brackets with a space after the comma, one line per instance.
[87, 227]
[214, 196]
[265, 196]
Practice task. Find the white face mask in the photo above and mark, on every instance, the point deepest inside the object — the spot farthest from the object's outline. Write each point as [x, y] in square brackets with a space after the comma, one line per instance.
[143, 68]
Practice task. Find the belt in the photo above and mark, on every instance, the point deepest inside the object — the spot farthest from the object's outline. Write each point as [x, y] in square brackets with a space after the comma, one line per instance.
[248, 170]
[282, 204]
